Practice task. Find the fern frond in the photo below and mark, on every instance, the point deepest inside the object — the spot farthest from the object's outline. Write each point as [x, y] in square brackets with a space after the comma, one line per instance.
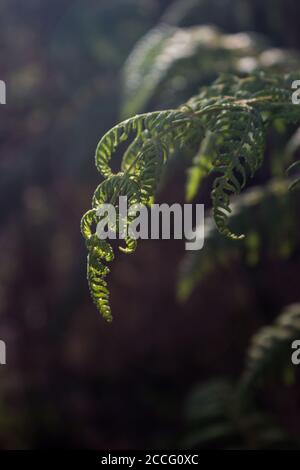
[270, 348]
[202, 165]
[139, 66]
[234, 113]
[96, 272]
[239, 112]
[99, 251]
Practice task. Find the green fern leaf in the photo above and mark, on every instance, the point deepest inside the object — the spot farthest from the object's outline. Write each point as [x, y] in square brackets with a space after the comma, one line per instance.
[234, 114]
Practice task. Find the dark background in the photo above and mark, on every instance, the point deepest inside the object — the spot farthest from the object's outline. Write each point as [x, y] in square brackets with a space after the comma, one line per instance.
[72, 381]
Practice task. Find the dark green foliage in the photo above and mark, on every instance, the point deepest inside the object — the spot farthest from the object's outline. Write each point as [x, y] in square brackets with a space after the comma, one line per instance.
[217, 416]
[270, 349]
[229, 120]
[296, 183]
[226, 415]
[269, 217]
[169, 63]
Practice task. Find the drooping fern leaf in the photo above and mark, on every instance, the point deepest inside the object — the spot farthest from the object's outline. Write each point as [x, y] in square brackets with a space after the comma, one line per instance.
[234, 112]
[99, 251]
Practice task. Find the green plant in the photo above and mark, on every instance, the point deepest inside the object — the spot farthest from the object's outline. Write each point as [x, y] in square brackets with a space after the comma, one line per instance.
[169, 64]
[270, 349]
[227, 414]
[218, 416]
[267, 214]
[226, 125]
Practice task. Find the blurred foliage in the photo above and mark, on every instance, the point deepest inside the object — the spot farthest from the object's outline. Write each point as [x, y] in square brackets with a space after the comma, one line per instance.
[271, 17]
[169, 64]
[270, 349]
[218, 418]
[220, 414]
[269, 217]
